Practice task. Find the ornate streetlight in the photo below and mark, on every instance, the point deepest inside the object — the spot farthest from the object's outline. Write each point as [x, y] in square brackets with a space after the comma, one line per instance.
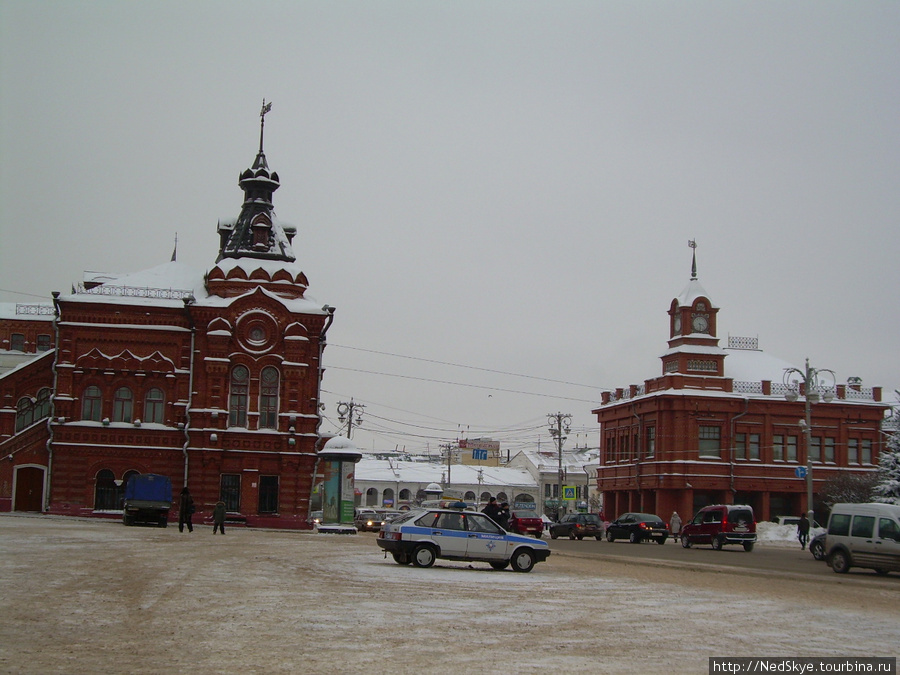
[815, 384]
[346, 411]
[559, 429]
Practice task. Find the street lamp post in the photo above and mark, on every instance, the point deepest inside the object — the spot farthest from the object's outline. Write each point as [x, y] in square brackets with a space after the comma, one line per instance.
[813, 385]
[559, 429]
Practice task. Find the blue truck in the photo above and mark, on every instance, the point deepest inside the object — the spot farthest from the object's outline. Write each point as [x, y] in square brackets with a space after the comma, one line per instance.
[148, 498]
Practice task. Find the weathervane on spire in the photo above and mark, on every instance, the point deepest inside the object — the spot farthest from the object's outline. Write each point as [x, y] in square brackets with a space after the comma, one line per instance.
[692, 243]
[266, 107]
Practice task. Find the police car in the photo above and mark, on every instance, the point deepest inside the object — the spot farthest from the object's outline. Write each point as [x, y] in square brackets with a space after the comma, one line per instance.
[420, 537]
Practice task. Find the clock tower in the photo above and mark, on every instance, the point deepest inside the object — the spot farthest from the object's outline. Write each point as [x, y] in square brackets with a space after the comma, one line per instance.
[693, 345]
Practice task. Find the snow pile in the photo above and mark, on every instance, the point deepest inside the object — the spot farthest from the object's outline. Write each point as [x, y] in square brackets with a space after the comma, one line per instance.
[772, 534]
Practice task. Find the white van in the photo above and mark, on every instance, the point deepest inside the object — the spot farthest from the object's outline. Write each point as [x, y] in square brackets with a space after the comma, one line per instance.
[864, 535]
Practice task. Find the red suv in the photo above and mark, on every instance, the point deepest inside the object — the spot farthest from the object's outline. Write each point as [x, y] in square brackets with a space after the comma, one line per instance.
[719, 525]
[525, 522]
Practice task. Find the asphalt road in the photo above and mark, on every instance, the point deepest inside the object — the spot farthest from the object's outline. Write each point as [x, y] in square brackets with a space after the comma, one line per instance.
[763, 560]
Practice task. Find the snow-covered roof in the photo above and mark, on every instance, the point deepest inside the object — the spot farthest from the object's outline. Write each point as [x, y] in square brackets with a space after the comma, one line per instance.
[754, 365]
[371, 469]
[691, 292]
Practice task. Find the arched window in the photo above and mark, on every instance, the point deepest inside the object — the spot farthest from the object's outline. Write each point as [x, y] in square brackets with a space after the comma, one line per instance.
[24, 414]
[371, 497]
[268, 398]
[501, 497]
[123, 401]
[42, 405]
[91, 404]
[469, 496]
[240, 391]
[387, 497]
[154, 405]
[485, 497]
[105, 492]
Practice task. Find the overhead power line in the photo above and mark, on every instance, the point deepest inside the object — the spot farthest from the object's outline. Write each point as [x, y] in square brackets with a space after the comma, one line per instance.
[461, 365]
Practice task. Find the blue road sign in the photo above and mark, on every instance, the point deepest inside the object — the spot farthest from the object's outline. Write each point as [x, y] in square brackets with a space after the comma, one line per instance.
[800, 472]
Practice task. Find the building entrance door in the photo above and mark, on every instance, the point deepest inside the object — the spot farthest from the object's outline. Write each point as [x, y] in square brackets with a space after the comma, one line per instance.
[29, 489]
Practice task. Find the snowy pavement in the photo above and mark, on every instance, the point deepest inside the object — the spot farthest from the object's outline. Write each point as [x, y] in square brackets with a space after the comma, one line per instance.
[83, 595]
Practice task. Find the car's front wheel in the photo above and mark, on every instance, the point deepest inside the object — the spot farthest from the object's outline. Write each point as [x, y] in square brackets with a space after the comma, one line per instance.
[553, 534]
[685, 542]
[840, 562]
[423, 556]
[634, 538]
[523, 560]
[817, 548]
[572, 535]
[609, 537]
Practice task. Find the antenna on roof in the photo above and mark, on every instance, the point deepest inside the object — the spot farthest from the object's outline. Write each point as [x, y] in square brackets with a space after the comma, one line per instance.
[175, 250]
[266, 107]
[693, 244]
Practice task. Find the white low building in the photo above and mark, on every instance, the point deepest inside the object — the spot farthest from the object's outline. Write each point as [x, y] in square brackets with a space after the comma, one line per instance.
[394, 483]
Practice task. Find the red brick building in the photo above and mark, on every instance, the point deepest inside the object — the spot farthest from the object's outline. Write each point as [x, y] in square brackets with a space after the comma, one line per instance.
[209, 377]
[716, 427]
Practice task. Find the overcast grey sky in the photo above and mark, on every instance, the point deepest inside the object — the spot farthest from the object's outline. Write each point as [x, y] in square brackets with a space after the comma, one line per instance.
[505, 185]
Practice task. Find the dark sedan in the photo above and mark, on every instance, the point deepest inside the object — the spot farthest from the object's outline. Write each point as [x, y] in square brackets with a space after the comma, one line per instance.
[578, 526]
[638, 527]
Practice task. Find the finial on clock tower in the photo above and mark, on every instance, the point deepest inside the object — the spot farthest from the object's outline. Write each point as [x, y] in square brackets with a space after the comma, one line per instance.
[693, 244]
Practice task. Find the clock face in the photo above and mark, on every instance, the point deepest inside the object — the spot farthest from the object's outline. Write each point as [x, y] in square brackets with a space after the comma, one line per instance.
[677, 323]
[700, 324]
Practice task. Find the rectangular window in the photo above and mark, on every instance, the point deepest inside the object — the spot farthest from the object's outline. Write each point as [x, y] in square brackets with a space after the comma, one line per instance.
[651, 441]
[815, 449]
[791, 449]
[624, 450]
[829, 450]
[230, 492]
[268, 494]
[863, 526]
[778, 448]
[753, 448]
[43, 343]
[17, 342]
[610, 449]
[852, 451]
[866, 454]
[740, 446]
[710, 441]
[548, 491]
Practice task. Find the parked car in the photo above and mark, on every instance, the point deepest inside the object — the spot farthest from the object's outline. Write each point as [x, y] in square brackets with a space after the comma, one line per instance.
[864, 535]
[721, 524]
[638, 527]
[578, 526]
[420, 537]
[523, 521]
[817, 547]
[315, 517]
[371, 521]
[791, 520]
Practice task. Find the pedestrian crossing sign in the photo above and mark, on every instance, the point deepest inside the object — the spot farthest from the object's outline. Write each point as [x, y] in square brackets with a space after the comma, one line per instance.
[569, 492]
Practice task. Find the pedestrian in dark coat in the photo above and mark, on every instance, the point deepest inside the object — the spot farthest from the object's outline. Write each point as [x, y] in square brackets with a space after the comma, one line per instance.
[185, 510]
[803, 531]
[503, 516]
[492, 509]
[219, 517]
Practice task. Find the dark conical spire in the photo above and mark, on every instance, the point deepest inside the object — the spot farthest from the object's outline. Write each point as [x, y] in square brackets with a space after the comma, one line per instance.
[257, 233]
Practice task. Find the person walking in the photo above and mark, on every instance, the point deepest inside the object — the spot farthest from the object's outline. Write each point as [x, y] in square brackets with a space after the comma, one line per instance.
[492, 509]
[803, 531]
[219, 517]
[185, 510]
[675, 524]
[503, 516]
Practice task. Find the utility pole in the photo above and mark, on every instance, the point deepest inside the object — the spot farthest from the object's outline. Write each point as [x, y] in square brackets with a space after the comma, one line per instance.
[560, 424]
[448, 447]
[346, 411]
